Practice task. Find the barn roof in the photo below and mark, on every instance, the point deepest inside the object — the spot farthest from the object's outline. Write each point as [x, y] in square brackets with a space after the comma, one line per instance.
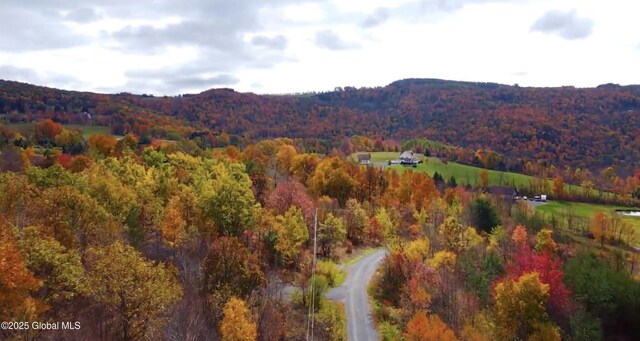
[408, 154]
[502, 190]
[364, 157]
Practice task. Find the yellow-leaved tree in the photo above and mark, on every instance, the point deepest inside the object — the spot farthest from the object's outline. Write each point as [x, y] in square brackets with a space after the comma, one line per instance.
[236, 324]
[452, 232]
[484, 178]
[333, 179]
[418, 249]
[545, 242]
[478, 328]
[292, 233]
[520, 308]
[388, 229]
[138, 293]
[284, 158]
[443, 259]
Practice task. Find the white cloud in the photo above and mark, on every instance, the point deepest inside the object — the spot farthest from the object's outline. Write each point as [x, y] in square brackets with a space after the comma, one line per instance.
[301, 45]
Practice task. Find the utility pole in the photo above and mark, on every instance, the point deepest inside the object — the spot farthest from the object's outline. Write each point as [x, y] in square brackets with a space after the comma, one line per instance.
[311, 316]
[313, 274]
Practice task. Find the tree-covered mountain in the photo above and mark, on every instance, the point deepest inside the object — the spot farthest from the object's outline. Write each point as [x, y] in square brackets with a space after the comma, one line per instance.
[581, 127]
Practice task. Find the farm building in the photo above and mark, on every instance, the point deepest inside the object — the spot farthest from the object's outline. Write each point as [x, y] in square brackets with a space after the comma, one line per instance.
[409, 158]
[507, 192]
[364, 159]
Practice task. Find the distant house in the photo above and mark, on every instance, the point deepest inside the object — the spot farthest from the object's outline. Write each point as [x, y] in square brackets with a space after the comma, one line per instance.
[409, 158]
[84, 117]
[507, 192]
[364, 159]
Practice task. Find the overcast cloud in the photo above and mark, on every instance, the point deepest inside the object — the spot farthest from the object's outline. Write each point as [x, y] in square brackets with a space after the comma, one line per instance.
[328, 39]
[26, 30]
[377, 17]
[278, 42]
[567, 25]
[276, 46]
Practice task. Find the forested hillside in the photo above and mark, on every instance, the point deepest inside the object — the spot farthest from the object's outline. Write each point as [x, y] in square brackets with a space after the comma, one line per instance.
[580, 127]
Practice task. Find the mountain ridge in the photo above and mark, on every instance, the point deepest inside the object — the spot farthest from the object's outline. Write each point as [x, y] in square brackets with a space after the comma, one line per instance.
[565, 126]
[404, 81]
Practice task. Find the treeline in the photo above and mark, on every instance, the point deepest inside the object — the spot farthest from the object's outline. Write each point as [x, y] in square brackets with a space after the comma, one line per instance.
[51, 138]
[24, 103]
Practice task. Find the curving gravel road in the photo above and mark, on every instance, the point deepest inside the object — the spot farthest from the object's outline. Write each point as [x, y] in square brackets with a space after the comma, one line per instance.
[354, 295]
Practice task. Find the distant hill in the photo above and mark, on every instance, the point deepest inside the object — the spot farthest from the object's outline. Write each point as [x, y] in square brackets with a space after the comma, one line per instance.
[582, 127]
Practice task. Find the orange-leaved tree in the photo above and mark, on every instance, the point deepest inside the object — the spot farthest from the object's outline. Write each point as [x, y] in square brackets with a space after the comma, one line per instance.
[16, 281]
[102, 144]
[431, 328]
[520, 235]
[47, 130]
[599, 227]
[558, 187]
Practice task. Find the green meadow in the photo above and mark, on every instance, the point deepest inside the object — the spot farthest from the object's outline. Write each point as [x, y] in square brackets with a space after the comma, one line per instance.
[88, 131]
[26, 129]
[464, 174]
[585, 210]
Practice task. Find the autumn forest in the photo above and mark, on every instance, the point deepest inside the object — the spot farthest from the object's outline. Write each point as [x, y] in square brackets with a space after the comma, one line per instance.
[235, 216]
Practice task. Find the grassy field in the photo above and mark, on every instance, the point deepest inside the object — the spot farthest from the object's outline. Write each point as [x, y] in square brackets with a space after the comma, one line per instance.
[559, 208]
[26, 129]
[468, 174]
[464, 174]
[88, 131]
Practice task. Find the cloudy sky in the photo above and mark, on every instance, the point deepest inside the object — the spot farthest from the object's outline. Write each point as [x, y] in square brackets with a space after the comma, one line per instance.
[284, 46]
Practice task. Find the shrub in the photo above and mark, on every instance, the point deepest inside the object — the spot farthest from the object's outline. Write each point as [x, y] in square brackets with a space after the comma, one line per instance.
[483, 215]
[332, 322]
[330, 271]
[389, 332]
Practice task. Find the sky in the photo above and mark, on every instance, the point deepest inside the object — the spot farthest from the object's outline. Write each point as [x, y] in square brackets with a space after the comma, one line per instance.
[168, 47]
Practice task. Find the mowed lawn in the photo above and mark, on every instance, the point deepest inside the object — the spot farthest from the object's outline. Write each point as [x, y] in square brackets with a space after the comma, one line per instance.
[464, 174]
[87, 130]
[559, 208]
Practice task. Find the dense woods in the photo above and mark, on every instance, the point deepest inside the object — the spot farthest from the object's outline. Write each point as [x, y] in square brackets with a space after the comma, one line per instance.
[170, 241]
[590, 128]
